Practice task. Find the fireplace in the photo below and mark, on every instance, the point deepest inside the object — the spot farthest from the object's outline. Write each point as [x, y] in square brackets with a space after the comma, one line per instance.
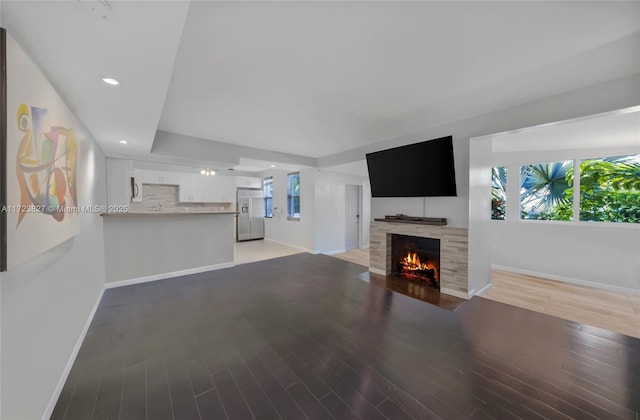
[416, 259]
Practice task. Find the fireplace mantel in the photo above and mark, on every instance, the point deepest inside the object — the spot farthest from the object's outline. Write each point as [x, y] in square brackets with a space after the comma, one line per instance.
[454, 279]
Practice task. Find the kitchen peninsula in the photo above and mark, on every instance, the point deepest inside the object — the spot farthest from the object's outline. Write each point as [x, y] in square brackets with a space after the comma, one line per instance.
[145, 246]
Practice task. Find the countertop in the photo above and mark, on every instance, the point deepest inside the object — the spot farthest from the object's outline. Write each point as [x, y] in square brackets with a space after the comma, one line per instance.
[167, 213]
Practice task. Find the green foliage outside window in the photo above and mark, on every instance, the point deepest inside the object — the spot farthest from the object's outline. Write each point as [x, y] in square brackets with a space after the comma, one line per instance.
[293, 195]
[498, 192]
[610, 189]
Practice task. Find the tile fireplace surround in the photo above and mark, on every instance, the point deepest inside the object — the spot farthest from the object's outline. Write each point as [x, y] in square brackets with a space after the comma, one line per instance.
[454, 278]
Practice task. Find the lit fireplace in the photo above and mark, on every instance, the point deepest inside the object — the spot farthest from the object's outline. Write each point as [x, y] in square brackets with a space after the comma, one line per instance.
[416, 259]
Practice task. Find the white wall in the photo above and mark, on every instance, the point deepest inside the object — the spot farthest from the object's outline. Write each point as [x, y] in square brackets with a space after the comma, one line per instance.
[605, 255]
[297, 233]
[592, 254]
[479, 208]
[321, 227]
[330, 223]
[46, 302]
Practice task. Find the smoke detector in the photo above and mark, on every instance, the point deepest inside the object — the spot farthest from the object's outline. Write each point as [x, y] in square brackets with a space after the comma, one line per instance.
[101, 9]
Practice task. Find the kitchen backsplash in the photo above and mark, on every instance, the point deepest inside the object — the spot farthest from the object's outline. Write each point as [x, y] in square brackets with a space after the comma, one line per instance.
[164, 198]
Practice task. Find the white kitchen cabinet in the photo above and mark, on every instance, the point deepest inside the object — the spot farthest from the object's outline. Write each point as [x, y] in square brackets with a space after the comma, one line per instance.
[187, 188]
[136, 185]
[206, 189]
[224, 189]
[118, 182]
[248, 182]
[160, 177]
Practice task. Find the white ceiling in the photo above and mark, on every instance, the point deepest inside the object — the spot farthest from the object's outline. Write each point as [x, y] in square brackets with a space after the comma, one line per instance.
[614, 130]
[256, 165]
[315, 78]
[358, 168]
[75, 48]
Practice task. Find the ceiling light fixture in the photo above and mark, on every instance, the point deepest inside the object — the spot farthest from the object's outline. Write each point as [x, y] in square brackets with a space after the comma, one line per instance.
[273, 166]
[207, 172]
[123, 142]
[110, 81]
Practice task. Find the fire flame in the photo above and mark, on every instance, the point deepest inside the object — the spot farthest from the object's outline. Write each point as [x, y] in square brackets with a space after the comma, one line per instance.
[411, 263]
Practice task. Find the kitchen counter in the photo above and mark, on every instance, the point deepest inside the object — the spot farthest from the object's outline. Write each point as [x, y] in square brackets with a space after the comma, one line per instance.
[142, 246]
[166, 213]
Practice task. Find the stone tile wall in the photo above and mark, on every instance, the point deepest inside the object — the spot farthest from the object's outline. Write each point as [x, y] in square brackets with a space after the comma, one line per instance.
[454, 278]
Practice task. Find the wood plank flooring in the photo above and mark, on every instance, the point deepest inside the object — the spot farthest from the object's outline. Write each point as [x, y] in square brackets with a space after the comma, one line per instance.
[418, 291]
[615, 311]
[300, 337]
[356, 256]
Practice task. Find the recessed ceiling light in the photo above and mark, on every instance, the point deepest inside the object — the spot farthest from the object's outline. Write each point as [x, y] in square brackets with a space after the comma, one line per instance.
[273, 166]
[123, 141]
[110, 81]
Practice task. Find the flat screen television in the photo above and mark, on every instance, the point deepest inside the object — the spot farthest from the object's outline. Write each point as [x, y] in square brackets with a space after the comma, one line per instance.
[423, 169]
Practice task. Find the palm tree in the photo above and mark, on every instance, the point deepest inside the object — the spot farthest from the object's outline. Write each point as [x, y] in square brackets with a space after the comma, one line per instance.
[544, 186]
[498, 192]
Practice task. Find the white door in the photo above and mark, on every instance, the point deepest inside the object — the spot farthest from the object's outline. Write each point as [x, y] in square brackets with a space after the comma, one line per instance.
[352, 216]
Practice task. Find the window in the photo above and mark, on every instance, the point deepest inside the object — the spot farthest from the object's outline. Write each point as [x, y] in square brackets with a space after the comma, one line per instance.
[546, 191]
[498, 192]
[293, 196]
[610, 189]
[267, 190]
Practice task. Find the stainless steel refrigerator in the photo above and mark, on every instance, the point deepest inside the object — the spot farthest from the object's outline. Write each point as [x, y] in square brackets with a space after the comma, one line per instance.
[250, 220]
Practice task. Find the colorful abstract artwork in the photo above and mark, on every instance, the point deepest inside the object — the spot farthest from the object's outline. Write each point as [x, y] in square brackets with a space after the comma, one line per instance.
[45, 165]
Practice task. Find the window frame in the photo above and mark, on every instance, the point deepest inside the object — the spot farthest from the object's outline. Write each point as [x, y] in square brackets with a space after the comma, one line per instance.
[268, 180]
[291, 215]
[513, 213]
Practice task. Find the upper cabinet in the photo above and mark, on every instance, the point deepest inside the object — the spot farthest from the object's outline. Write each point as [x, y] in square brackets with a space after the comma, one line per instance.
[160, 177]
[248, 182]
[196, 188]
[118, 182]
[125, 184]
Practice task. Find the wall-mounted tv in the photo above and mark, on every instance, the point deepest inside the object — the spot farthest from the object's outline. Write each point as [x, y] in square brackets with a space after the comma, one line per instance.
[423, 169]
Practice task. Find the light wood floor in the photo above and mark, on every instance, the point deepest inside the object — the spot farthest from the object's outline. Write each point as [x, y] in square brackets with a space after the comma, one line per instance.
[619, 312]
[260, 250]
[356, 256]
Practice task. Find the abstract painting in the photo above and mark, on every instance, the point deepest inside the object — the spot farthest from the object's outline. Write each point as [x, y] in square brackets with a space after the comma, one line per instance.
[45, 165]
[41, 174]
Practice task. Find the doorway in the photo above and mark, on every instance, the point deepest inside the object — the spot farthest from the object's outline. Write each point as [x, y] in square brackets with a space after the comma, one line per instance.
[353, 209]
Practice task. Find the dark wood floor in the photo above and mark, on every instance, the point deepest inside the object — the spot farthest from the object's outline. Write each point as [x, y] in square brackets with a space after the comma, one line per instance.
[300, 337]
[415, 290]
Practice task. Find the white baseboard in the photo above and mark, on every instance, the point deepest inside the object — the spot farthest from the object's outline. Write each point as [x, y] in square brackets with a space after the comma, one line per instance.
[336, 251]
[310, 251]
[72, 359]
[610, 287]
[480, 292]
[455, 293]
[377, 271]
[163, 276]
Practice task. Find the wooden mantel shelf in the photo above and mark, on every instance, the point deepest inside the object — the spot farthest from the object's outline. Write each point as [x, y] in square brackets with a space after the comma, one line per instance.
[433, 221]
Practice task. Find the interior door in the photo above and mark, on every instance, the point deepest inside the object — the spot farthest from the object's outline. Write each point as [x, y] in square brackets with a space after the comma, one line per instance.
[352, 216]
